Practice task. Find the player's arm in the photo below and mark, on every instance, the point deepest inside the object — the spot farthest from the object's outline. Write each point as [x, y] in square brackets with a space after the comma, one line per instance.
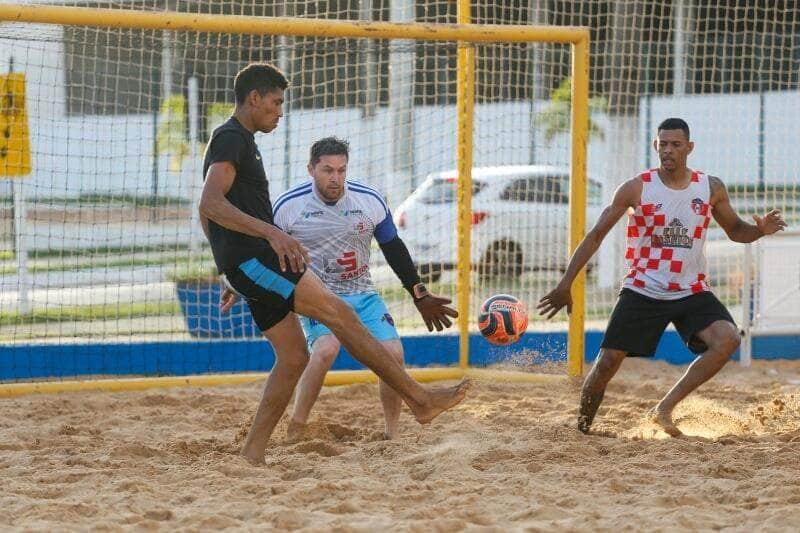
[735, 228]
[215, 206]
[627, 196]
[434, 309]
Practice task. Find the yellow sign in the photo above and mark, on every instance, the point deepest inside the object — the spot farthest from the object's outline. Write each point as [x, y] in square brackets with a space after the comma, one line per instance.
[15, 144]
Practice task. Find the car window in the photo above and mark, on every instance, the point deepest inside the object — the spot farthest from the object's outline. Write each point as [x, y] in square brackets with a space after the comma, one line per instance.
[443, 190]
[542, 189]
[594, 192]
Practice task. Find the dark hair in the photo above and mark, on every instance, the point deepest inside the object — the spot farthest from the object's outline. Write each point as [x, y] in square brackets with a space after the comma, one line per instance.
[261, 77]
[328, 146]
[674, 124]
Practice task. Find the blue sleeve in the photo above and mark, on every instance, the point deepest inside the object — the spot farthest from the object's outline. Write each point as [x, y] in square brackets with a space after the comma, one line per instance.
[385, 231]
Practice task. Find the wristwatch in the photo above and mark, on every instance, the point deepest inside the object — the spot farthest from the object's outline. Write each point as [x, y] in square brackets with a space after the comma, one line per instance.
[419, 291]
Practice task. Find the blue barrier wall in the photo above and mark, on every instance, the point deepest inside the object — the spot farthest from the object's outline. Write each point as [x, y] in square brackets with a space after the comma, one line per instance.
[200, 357]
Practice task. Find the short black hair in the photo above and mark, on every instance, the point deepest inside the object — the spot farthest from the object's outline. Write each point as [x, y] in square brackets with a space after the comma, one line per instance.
[261, 77]
[674, 124]
[328, 146]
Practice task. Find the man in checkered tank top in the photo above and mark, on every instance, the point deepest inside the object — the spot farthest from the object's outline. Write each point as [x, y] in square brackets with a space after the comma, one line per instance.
[669, 210]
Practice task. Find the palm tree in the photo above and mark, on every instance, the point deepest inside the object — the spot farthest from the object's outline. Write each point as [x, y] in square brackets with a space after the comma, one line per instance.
[556, 116]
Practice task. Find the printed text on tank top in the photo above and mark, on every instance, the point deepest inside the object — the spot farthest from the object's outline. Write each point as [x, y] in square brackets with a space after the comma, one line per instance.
[666, 238]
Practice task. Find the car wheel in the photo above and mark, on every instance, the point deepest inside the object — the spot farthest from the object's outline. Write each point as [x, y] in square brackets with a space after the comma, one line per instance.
[430, 273]
[502, 259]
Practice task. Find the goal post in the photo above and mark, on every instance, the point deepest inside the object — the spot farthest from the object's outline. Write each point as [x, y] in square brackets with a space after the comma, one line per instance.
[464, 35]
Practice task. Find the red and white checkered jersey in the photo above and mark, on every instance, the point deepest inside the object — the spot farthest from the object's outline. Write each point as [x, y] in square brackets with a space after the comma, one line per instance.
[667, 238]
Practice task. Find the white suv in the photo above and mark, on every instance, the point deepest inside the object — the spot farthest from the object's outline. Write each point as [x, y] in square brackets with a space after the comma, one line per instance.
[520, 220]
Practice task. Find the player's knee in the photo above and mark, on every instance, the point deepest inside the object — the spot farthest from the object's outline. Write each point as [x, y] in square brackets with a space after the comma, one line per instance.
[396, 352]
[325, 355]
[609, 360]
[729, 343]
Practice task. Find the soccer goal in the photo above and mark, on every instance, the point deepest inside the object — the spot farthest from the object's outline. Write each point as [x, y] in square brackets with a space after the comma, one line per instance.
[771, 290]
[105, 269]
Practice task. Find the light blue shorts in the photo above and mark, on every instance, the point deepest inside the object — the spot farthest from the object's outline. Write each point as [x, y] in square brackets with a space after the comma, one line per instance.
[370, 309]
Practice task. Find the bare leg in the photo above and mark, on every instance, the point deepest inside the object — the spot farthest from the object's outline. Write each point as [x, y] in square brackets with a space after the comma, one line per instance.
[594, 387]
[392, 403]
[314, 300]
[323, 354]
[722, 340]
[291, 356]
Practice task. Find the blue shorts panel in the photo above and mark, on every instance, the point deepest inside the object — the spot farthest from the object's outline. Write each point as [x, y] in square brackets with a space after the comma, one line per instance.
[369, 308]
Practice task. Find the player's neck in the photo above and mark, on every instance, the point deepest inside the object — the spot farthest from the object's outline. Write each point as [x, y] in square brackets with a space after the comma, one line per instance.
[677, 178]
[240, 115]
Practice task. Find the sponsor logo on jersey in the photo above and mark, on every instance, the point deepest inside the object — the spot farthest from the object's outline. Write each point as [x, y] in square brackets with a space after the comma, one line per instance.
[697, 206]
[312, 214]
[388, 318]
[675, 235]
[345, 267]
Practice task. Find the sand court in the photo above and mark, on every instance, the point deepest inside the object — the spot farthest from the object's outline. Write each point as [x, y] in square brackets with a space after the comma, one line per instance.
[508, 458]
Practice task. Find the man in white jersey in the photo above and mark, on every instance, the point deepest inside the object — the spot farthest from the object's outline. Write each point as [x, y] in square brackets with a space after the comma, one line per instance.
[669, 210]
[336, 220]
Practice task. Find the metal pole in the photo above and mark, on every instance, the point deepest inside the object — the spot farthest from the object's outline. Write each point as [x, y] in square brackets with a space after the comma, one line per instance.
[679, 63]
[285, 53]
[126, 18]
[465, 104]
[154, 180]
[21, 249]
[577, 201]
[761, 139]
[746, 349]
[195, 180]
[401, 109]
[18, 217]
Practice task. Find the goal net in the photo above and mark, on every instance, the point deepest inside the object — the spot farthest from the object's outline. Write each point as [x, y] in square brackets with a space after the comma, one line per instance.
[105, 268]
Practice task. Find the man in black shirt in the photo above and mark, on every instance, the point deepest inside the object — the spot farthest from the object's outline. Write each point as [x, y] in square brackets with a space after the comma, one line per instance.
[267, 267]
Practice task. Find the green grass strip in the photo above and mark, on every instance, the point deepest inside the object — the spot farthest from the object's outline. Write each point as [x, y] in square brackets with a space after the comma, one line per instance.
[88, 313]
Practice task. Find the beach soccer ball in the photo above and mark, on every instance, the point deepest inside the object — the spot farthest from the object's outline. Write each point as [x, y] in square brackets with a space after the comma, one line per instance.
[502, 319]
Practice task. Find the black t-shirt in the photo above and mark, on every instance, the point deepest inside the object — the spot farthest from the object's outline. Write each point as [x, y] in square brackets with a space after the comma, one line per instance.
[232, 142]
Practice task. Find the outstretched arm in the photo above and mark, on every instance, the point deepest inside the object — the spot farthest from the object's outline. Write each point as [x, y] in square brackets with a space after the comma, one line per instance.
[627, 196]
[434, 309]
[735, 228]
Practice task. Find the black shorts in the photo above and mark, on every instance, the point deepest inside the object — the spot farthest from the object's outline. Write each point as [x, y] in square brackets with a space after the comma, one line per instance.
[637, 321]
[268, 291]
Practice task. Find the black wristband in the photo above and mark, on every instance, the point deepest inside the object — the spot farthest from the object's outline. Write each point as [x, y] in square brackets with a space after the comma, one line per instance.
[419, 291]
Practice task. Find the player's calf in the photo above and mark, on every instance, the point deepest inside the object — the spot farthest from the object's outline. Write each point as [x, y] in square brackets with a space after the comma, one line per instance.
[607, 363]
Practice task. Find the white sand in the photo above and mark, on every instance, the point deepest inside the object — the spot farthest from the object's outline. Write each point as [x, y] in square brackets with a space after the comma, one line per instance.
[508, 458]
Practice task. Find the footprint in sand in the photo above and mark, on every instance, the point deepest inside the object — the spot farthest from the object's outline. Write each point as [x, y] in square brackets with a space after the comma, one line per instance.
[316, 446]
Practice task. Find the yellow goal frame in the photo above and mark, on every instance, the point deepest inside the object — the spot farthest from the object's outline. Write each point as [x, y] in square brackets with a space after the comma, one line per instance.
[467, 35]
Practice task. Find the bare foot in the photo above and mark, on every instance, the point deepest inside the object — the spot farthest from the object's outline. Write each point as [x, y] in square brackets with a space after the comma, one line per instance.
[252, 458]
[440, 401]
[390, 434]
[663, 419]
[296, 431]
[590, 403]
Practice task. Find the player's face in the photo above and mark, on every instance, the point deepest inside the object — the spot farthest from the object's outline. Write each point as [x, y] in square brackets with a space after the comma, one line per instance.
[673, 148]
[267, 109]
[329, 174]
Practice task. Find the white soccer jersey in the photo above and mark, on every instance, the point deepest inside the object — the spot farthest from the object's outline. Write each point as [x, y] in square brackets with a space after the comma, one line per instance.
[338, 236]
[667, 238]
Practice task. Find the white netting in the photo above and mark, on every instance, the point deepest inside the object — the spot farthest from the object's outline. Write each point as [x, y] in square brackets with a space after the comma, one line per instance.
[108, 225]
